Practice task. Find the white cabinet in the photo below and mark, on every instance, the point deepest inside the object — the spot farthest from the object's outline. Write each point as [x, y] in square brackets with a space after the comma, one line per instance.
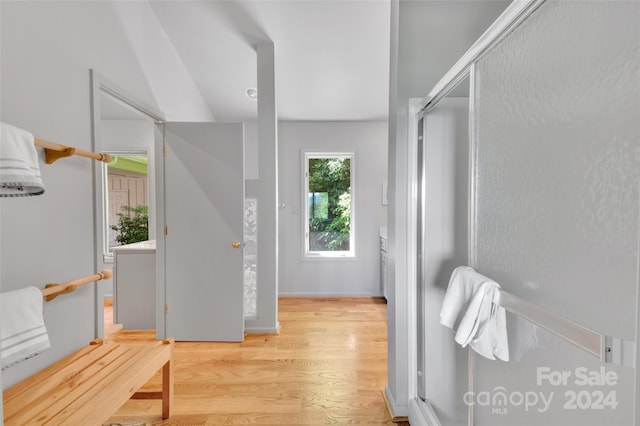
[383, 262]
[134, 286]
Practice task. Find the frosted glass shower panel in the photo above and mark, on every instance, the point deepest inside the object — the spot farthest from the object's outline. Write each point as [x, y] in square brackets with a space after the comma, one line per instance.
[557, 172]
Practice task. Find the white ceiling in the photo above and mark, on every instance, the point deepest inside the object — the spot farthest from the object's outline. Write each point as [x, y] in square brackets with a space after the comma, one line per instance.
[332, 56]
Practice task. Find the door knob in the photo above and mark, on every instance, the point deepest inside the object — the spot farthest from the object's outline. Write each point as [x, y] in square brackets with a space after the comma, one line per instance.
[236, 244]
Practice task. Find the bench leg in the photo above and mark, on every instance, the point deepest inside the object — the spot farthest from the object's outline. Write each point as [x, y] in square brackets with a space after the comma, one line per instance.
[167, 380]
[167, 389]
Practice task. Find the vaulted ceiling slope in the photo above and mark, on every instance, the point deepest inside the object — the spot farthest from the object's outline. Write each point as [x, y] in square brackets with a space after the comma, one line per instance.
[173, 88]
[332, 57]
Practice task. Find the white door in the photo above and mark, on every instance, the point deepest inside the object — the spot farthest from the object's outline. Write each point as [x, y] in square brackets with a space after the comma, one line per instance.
[203, 212]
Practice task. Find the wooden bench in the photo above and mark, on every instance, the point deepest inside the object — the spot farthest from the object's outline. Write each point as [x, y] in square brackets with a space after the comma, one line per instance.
[91, 384]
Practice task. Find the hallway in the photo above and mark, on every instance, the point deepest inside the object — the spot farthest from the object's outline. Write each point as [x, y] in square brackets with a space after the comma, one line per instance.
[328, 365]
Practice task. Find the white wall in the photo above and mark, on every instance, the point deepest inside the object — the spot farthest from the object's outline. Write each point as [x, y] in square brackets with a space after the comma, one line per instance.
[251, 163]
[316, 277]
[126, 134]
[47, 49]
[266, 136]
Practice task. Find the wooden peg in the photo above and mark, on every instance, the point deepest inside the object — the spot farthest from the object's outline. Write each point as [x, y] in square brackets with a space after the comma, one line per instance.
[105, 158]
[64, 290]
[106, 274]
[52, 155]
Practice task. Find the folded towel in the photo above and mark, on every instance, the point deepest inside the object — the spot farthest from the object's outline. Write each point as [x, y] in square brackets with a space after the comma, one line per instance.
[469, 310]
[484, 325]
[22, 330]
[463, 285]
[19, 169]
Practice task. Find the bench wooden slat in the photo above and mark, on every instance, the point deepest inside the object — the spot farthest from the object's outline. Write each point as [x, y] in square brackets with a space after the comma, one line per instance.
[35, 380]
[71, 371]
[64, 394]
[114, 391]
[88, 386]
[89, 396]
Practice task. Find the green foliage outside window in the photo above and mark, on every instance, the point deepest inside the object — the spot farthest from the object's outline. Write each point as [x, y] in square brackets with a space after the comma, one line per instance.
[330, 223]
[133, 225]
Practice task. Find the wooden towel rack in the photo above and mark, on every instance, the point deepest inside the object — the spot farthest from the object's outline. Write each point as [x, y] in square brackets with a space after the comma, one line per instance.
[54, 151]
[51, 291]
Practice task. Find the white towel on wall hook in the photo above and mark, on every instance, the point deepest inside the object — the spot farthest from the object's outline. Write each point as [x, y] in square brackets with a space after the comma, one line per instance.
[22, 330]
[19, 167]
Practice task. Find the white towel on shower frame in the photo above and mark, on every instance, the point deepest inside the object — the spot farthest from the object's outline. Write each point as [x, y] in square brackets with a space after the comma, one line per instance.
[483, 325]
[462, 286]
[468, 309]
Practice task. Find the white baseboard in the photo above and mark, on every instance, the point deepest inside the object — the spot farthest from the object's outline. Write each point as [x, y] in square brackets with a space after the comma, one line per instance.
[421, 414]
[315, 294]
[262, 330]
[397, 411]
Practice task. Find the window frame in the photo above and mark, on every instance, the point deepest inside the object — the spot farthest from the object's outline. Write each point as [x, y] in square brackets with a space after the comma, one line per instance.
[343, 254]
[107, 254]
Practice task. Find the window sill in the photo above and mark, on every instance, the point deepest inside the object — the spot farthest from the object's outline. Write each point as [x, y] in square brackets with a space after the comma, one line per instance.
[329, 257]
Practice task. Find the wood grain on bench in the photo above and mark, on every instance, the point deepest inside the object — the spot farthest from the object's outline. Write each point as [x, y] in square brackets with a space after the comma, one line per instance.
[89, 385]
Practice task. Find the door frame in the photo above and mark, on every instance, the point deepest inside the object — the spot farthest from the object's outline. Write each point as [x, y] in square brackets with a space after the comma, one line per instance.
[161, 290]
[100, 86]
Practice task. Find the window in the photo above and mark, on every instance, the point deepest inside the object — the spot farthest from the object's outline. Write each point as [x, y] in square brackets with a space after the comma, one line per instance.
[329, 198]
[125, 200]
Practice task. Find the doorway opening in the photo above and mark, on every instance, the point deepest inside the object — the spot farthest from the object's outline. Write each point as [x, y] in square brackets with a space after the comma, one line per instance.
[125, 191]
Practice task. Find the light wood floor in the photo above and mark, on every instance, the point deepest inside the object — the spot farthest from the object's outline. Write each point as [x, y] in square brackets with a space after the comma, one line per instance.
[328, 365]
